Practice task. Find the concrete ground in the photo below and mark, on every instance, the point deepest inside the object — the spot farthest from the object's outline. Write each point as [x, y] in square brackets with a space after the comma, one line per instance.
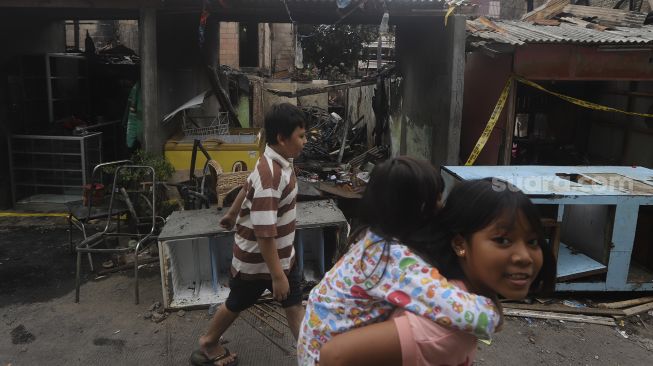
[41, 324]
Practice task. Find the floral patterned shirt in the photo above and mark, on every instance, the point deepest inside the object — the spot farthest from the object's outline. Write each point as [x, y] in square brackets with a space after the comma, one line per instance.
[375, 277]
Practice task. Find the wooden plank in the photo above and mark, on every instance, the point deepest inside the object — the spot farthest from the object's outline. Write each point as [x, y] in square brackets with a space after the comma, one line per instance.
[565, 309]
[550, 9]
[490, 24]
[625, 303]
[638, 309]
[565, 317]
[338, 191]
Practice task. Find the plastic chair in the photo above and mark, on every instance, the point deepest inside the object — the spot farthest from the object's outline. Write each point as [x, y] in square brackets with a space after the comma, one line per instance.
[90, 244]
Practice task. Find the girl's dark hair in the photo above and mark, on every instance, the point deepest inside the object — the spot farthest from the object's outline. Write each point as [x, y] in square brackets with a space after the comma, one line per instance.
[283, 119]
[472, 206]
[401, 197]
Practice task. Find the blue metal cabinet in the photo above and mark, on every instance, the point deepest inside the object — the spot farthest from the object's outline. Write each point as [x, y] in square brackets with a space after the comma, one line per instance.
[592, 202]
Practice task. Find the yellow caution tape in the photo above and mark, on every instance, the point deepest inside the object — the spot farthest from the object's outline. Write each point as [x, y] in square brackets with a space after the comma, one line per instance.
[21, 214]
[579, 102]
[490, 124]
[446, 16]
[498, 108]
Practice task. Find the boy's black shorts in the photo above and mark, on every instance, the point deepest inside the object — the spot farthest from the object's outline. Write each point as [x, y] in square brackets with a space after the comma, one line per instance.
[244, 293]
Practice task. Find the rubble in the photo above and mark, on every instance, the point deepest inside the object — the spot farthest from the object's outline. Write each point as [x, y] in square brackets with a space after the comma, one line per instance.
[336, 157]
[159, 317]
[154, 306]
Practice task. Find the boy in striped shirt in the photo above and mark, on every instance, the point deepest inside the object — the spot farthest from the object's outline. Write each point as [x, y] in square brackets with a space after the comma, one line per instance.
[263, 253]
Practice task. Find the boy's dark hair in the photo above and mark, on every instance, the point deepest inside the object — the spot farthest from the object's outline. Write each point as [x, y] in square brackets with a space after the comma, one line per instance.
[472, 206]
[283, 119]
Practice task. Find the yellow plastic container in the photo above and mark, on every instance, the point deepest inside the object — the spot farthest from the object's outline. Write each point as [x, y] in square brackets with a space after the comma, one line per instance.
[241, 148]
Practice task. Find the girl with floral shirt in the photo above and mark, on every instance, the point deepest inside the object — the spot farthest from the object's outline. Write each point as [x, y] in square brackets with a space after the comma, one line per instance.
[385, 269]
[488, 239]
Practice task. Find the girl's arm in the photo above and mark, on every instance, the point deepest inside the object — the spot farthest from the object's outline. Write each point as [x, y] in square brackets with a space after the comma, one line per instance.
[410, 283]
[374, 344]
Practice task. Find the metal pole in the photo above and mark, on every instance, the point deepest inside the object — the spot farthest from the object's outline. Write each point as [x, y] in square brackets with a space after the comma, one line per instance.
[149, 79]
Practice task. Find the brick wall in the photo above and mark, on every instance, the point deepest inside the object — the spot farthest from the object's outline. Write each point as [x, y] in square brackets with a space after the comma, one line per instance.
[128, 34]
[283, 48]
[229, 54]
[103, 32]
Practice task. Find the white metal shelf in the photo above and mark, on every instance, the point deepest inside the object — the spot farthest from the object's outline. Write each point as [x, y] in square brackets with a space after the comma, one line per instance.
[48, 170]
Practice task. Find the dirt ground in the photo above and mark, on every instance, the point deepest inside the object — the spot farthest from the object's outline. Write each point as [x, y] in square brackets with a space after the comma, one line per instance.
[41, 324]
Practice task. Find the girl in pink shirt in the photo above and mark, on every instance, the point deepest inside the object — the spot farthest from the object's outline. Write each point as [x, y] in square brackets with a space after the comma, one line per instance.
[489, 240]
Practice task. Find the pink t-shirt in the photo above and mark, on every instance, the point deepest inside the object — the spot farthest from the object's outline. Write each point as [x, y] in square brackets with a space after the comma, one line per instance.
[424, 342]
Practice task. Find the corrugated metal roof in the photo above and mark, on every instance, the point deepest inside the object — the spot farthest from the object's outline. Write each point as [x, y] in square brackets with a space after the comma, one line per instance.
[607, 16]
[523, 32]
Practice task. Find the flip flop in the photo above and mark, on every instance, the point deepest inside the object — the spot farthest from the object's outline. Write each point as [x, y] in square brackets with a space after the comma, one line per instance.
[198, 358]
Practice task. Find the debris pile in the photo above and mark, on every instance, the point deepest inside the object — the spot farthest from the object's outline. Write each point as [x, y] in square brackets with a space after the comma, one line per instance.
[336, 156]
[323, 135]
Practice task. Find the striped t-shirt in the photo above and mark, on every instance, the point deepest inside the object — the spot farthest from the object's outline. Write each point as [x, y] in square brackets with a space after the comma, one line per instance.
[268, 211]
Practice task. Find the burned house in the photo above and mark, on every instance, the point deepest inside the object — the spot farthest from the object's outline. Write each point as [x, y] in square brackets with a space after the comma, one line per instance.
[420, 103]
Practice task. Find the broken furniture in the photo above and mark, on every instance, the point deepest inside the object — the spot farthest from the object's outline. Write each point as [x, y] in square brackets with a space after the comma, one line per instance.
[52, 168]
[108, 238]
[83, 211]
[597, 208]
[195, 252]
